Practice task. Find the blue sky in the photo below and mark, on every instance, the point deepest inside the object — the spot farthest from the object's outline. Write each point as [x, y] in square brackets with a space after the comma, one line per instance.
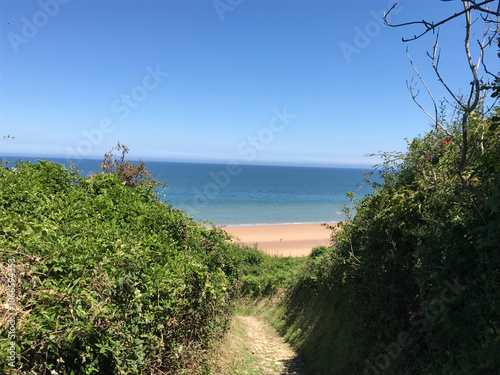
[252, 81]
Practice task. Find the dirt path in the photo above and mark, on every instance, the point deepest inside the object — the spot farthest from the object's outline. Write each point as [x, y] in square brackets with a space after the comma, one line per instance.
[253, 347]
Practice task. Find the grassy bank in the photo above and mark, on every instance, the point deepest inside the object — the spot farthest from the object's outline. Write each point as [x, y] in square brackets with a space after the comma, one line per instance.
[320, 325]
[412, 283]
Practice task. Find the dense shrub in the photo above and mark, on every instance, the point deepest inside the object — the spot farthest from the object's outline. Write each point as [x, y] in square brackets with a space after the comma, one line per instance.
[419, 264]
[109, 280]
[263, 274]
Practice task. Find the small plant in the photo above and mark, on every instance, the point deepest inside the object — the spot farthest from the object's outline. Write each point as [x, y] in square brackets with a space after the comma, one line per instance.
[131, 174]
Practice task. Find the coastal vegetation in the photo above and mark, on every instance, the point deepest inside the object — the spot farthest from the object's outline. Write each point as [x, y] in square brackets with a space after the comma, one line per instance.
[265, 275]
[104, 278]
[411, 284]
[107, 279]
[111, 280]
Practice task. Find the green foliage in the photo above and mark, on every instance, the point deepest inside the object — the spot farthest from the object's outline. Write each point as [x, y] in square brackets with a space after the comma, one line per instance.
[109, 279]
[318, 251]
[264, 275]
[414, 275]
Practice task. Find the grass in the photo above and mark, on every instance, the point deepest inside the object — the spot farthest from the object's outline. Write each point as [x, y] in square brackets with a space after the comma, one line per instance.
[319, 330]
[312, 323]
[233, 355]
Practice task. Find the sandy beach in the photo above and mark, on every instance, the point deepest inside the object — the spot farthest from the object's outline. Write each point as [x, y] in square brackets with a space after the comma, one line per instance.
[282, 239]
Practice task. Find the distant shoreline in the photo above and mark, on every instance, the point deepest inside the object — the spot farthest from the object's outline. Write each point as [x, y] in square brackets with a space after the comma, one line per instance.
[277, 224]
[288, 239]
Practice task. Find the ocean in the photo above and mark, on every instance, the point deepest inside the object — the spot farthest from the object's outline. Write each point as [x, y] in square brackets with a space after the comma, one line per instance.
[251, 194]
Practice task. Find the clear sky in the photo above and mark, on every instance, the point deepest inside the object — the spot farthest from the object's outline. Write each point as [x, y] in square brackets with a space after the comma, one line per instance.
[267, 82]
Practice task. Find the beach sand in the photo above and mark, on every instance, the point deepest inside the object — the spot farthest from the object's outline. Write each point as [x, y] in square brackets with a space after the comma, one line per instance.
[283, 239]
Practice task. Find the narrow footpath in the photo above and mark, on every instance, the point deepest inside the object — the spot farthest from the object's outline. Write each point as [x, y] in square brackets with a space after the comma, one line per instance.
[253, 347]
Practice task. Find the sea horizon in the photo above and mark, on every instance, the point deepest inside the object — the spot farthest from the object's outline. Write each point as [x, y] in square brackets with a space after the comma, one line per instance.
[77, 161]
[249, 195]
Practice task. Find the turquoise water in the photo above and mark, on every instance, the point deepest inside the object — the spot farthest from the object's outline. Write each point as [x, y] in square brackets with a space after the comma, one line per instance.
[249, 194]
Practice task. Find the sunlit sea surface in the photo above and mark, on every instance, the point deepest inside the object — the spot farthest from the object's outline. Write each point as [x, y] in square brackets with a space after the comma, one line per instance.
[249, 194]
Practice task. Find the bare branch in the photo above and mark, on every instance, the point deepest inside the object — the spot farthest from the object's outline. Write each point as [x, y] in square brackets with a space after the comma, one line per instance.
[483, 44]
[487, 9]
[435, 64]
[464, 105]
[486, 69]
[472, 103]
[481, 47]
[411, 88]
[431, 26]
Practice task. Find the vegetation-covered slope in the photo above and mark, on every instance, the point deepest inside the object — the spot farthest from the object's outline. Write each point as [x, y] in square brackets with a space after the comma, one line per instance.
[412, 284]
[107, 278]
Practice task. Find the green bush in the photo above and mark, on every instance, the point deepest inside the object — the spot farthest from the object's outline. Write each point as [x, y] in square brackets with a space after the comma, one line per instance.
[318, 251]
[415, 274]
[109, 280]
[264, 275]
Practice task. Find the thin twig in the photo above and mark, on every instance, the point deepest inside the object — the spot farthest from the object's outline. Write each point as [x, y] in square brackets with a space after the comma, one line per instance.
[435, 65]
[414, 97]
[431, 26]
